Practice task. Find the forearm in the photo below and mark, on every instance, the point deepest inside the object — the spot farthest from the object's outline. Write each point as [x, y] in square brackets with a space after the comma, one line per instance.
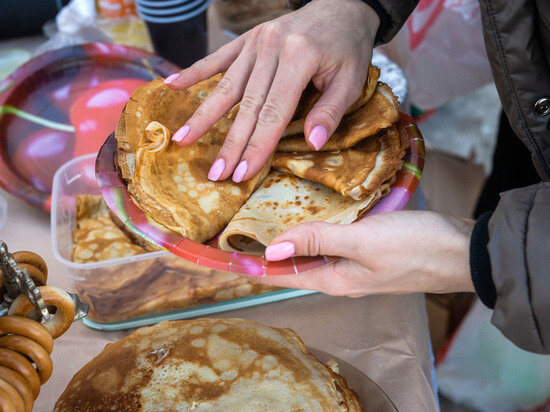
[510, 262]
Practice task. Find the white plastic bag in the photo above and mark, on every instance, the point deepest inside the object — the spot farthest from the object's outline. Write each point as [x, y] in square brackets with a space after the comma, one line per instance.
[483, 370]
[441, 51]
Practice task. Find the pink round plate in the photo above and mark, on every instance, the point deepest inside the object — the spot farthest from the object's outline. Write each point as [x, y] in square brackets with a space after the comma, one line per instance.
[61, 105]
[121, 204]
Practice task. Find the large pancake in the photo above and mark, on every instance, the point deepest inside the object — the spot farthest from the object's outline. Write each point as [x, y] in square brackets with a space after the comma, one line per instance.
[283, 201]
[355, 172]
[170, 183]
[207, 365]
[380, 112]
[311, 95]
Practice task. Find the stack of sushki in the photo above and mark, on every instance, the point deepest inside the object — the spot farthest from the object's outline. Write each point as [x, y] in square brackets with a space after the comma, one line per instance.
[338, 184]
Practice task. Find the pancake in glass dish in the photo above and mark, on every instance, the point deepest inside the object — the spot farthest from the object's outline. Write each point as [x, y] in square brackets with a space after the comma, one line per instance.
[208, 365]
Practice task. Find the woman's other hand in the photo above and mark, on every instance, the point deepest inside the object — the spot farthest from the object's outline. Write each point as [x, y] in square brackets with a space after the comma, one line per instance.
[397, 252]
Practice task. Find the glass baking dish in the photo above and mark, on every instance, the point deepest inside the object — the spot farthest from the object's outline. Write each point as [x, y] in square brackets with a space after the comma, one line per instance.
[142, 289]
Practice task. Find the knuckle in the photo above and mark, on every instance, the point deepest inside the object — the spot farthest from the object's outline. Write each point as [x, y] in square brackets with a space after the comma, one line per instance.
[313, 242]
[200, 113]
[254, 149]
[250, 105]
[295, 45]
[231, 145]
[332, 112]
[271, 32]
[270, 114]
[225, 87]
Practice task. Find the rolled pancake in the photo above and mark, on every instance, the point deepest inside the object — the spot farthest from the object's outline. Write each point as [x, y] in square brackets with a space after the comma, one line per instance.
[207, 365]
[355, 172]
[311, 96]
[283, 201]
[170, 183]
[380, 112]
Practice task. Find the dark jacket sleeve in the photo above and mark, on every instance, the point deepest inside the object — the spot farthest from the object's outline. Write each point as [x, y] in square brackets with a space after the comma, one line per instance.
[392, 15]
[518, 248]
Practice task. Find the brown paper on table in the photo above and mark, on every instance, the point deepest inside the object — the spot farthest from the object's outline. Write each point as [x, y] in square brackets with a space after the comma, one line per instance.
[386, 337]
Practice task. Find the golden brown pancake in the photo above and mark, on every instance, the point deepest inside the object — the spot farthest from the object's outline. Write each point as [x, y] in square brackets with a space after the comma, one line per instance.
[166, 284]
[355, 172]
[380, 112]
[208, 365]
[154, 101]
[311, 96]
[96, 237]
[170, 183]
[144, 287]
[283, 201]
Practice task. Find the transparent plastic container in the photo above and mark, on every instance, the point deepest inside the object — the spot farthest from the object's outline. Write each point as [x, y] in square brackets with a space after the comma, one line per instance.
[143, 289]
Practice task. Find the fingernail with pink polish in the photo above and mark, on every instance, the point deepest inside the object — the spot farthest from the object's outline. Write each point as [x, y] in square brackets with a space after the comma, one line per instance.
[239, 172]
[171, 78]
[318, 136]
[216, 170]
[181, 134]
[279, 251]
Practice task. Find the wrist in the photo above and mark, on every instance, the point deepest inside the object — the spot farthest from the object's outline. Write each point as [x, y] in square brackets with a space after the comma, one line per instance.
[448, 268]
[371, 13]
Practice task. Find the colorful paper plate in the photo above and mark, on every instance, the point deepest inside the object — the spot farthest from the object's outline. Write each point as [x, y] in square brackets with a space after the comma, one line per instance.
[121, 204]
[61, 105]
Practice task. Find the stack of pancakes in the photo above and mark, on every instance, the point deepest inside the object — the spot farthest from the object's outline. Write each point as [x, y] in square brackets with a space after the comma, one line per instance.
[208, 365]
[338, 184]
[143, 287]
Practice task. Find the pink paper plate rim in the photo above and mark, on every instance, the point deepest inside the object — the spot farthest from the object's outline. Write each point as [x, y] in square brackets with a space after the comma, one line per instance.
[120, 202]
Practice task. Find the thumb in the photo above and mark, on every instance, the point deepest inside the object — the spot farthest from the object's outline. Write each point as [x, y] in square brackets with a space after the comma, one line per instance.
[313, 239]
[325, 116]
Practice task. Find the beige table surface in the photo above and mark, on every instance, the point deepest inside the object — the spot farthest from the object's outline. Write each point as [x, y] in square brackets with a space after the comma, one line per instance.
[386, 337]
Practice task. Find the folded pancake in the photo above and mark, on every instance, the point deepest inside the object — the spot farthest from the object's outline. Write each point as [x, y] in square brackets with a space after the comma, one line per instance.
[154, 101]
[311, 95]
[170, 183]
[96, 237]
[355, 172]
[208, 365]
[380, 112]
[283, 201]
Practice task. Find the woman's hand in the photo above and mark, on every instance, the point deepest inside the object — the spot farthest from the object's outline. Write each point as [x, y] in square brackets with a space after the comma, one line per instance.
[397, 252]
[329, 42]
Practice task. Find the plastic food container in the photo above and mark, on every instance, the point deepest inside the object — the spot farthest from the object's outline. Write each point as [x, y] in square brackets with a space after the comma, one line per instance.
[142, 289]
